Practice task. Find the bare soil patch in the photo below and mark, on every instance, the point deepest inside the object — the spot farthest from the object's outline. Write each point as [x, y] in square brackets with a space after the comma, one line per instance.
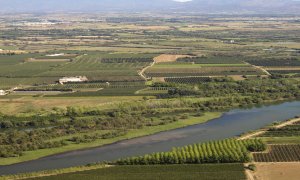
[277, 171]
[237, 77]
[47, 60]
[168, 58]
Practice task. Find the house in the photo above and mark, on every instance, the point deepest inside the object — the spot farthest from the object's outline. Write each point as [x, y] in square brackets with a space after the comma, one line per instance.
[55, 55]
[2, 93]
[73, 79]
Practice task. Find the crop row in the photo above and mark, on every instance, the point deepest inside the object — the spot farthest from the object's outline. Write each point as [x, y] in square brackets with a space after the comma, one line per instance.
[202, 71]
[212, 73]
[174, 172]
[188, 80]
[284, 71]
[127, 60]
[279, 153]
[274, 62]
[287, 131]
[211, 60]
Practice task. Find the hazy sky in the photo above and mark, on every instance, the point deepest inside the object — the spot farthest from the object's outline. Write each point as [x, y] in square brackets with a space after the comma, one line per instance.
[200, 6]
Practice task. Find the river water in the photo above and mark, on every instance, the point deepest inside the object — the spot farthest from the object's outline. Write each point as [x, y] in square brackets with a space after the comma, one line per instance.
[232, 123]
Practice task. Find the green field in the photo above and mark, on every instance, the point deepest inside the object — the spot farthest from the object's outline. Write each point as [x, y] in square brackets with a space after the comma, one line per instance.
[16, 71]
[182, 70]
[174, 172]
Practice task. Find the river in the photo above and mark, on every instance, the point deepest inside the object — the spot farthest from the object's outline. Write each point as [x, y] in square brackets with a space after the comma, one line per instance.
[232, 123]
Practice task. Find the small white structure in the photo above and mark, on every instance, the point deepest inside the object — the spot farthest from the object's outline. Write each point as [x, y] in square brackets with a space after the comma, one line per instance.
[55, 55]
[2, 93]
[73, 79]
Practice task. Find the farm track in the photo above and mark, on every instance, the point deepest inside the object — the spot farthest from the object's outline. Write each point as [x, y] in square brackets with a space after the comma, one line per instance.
[260, 68]
[255, 134]
[142, 72]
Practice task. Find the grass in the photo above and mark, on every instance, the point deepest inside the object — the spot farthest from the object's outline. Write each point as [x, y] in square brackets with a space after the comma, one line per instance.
[188, 65]
[174, 172]
[31, 155]
[126, 91]
[20, 104]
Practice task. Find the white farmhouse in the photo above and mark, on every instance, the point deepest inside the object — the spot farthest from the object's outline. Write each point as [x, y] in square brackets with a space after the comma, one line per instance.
[55, 55]
[2, 93]
[73, 79]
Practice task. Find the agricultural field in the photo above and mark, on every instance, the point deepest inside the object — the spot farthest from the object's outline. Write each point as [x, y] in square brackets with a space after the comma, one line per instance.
[18, 71]
[208, 172]
[193, 67]
[186, 69]
[279, 66]
[279, 153]
[288, 134]
[189, 80]
[277, 171]
[213, 60]
[287, 131]
[146, 74]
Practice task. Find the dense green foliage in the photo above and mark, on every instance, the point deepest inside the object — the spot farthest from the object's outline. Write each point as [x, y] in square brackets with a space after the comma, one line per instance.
[257, 90]
[225, 151]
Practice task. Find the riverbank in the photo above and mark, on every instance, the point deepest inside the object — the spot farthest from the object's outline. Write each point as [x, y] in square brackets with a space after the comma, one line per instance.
[231, 124]
[32, 155]
[55, 172]
[264, 130]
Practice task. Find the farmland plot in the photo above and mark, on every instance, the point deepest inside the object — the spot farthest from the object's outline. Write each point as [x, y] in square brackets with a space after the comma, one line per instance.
[188, 80]
[96, 67]
[195, 70]
[176, 172]
[212, 60]
[279, 153]
[276, 62]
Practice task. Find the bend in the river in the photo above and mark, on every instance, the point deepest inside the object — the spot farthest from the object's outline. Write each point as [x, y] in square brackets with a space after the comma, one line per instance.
[231, 124]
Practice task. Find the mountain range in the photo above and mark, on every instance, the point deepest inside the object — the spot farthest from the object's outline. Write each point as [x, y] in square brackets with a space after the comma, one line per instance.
[193, 6]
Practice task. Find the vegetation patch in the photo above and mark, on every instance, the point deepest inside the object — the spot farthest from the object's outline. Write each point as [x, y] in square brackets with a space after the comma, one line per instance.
[176, 172]
[225, 151]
